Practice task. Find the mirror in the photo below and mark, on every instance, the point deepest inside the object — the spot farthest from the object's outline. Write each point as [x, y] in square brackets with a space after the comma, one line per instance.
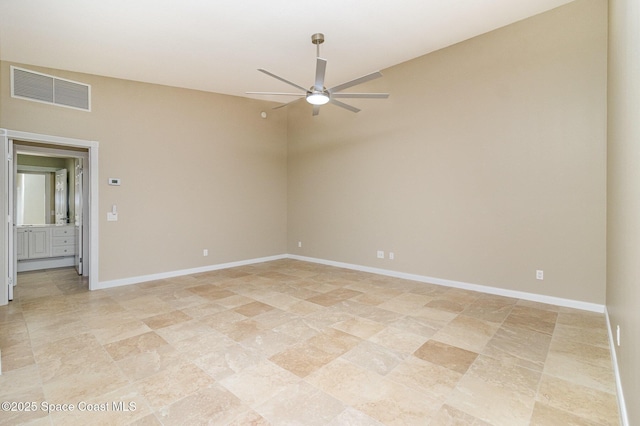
[33, 201]
[42, 190]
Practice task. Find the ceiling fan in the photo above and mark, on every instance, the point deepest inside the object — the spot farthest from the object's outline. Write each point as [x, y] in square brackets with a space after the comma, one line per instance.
[318, 94]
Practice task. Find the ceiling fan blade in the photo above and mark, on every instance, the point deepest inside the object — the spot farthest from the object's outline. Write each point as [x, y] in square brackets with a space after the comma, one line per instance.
[275, 93]
[321, 67]
[343, 105]
[282, 79]
[316, 110]
[355, 82]
[287, 104]
[361, 95]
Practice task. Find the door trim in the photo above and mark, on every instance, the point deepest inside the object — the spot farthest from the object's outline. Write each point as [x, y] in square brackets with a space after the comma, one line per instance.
[62, 142]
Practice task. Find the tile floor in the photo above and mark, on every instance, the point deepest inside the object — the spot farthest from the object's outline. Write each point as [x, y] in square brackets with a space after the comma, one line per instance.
[295, 343]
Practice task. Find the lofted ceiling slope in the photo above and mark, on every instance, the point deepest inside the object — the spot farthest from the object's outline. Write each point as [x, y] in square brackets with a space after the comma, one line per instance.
[217, 45]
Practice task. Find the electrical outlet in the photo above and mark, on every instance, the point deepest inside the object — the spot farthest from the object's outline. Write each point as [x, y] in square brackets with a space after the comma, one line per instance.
[380, 254]
[299, 243]
[205, 252]
[391, 255]
[539, 274]
[618, 334]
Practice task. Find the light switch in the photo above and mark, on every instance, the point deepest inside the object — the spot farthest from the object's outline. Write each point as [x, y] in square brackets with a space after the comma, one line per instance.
[112, 217]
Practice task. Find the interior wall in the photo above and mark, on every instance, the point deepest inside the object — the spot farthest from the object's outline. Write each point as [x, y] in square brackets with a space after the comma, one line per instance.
[198, 171]
[487, 162]
[623, 214]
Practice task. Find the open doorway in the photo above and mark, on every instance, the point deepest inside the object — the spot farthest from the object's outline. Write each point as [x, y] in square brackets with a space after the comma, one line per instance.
[50, 212]
[81, 213]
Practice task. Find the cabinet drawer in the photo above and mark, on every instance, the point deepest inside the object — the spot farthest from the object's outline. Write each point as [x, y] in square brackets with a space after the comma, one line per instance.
[67, 231]
[63, 241]
[63, 251]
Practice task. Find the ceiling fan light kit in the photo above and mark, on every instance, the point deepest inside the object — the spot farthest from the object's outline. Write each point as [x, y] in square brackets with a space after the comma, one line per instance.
[317, 98]
[318, 94]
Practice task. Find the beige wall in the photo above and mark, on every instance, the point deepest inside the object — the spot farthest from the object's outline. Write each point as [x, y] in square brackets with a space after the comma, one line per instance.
[486, 163]
[623, 179]
[199, 170]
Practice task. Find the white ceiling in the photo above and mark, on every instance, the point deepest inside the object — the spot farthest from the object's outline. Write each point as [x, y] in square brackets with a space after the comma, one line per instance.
[217, 45]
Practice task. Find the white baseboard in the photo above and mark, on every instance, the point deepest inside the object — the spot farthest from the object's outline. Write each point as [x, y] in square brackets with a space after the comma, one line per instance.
[550, 300]
[622, 406]
[173, 274]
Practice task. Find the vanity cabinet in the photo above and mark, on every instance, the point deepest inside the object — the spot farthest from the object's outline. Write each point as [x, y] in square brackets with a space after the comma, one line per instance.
[63, 241]
[35, 243]
[22, 244]
[38, 242]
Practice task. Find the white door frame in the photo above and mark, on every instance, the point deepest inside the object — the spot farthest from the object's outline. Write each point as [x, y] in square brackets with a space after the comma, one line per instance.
[92, 148]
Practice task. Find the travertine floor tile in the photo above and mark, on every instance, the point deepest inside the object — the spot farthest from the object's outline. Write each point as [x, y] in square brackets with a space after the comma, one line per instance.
[374, 357]
[490, 308]
[360, 327]
[452, 357]
[203, 343]
[134, 345]
[172, 384]
[467, 333]
[252, 309]
[405, 302]
[149, 362]
[166, 320]
[502, 394]
[398, 405]
[290, 342]
[524, 347]
[116, 327]
[446, 305]
[334, 341]
[183, 330]
[303, 359]
[398, 340]
[580, 363]
[268, 342]
[544, 415]
[351, 416]
[257, 384]
[213, 403]
[301, 404]
[426, 377]
[451, 416]
[581, 401]
[146, 306]
[17, 356]
[532, 319]
[596, 335]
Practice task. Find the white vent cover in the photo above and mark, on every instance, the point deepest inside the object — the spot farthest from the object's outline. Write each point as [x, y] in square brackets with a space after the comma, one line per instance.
[34, 86]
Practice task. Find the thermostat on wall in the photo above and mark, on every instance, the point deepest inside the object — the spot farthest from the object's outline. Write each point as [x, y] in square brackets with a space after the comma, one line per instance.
[114, 181]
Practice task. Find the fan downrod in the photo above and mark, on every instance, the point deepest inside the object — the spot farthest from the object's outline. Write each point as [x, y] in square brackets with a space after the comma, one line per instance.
[317, 39]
